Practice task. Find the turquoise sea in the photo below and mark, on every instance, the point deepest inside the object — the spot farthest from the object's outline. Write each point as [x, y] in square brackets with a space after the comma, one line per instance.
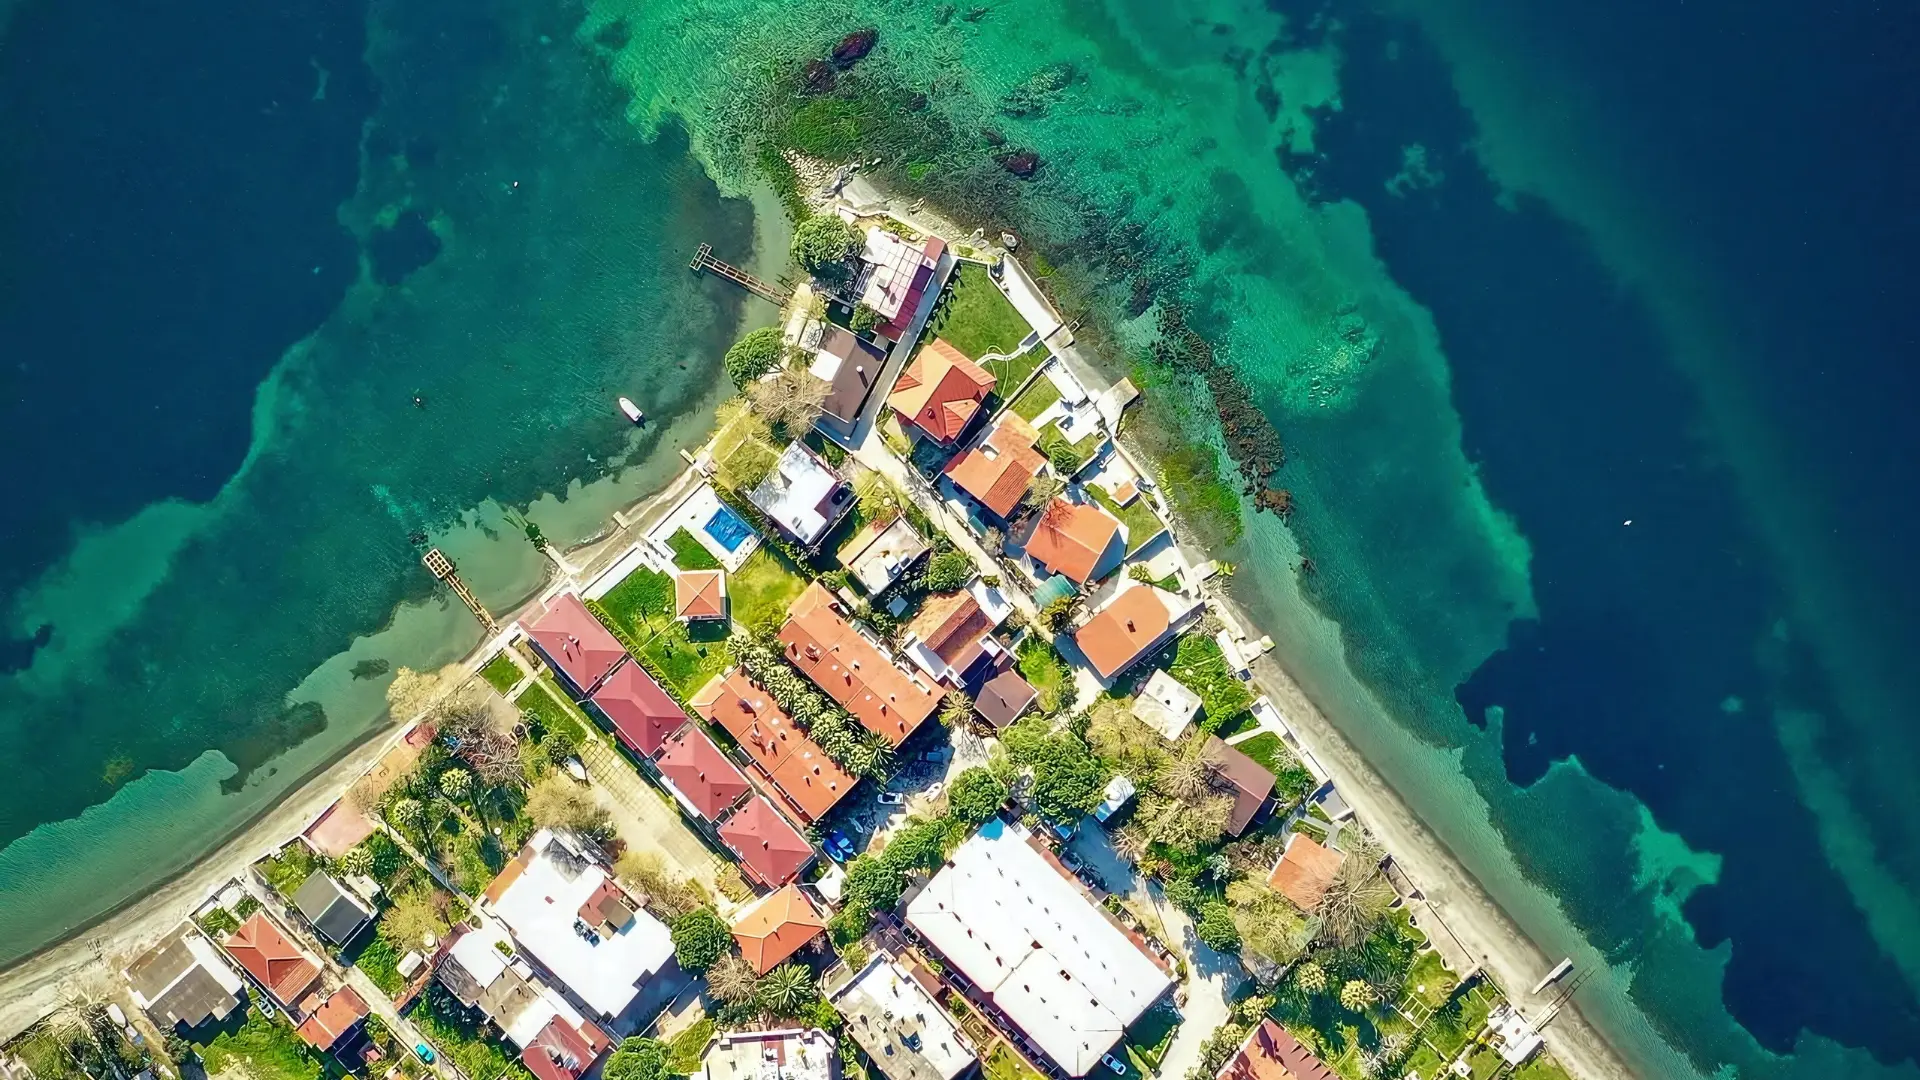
[1582, 326]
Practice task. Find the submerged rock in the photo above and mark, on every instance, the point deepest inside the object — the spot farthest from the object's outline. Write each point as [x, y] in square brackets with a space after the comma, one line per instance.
[854, 47]
[994, 138]
[818, 77]
[1021, 163]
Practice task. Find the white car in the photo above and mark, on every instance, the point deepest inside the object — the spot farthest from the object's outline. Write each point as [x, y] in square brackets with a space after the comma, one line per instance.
[892, 798]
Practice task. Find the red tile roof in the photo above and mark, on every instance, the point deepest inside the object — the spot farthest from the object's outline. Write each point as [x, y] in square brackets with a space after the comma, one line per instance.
[1252, 783]
[827, 649]
[324, 1025]
[776, 927]
[952, 627]
[643, 714]
[809, 781]
[575, 642]
[1070, 538]
[998, 471]
[1272, 1053]
[1304, 871]
[1124, 630]
[700, 594]
[941, 391]
[698, 770]
[559, 1052]
[270, 958]
[770, 848]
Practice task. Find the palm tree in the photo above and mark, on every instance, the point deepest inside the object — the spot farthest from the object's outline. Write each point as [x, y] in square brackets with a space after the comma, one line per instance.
[1310, 977]
[1132, 843]
[1354, 902]
[732, 979]
[456, 784]
[881, 752]
[956, 709]
[787, 989]
[1357, 996]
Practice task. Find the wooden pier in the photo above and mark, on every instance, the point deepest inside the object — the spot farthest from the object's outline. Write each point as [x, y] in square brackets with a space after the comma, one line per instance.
[703, 261]
[442, 567]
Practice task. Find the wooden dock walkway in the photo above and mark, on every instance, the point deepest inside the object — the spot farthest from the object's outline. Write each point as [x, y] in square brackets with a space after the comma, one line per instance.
[703, 260]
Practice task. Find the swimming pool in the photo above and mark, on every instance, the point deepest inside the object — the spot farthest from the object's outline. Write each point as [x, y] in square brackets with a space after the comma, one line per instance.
[727, 529]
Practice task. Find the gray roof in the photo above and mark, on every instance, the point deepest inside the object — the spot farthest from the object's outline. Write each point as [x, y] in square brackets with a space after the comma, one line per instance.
[1004, 698]
[335, 912]
[177, 989]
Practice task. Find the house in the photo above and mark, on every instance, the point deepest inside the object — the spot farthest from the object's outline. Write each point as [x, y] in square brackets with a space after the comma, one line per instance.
[1079, 541]
[1133, 623]
[699, 774]
[784, 1054]
[896, 279]
[275, 962]
[997, 471]
[849, 365]
[880, 554]
[1305, 871]
[640, 712]
[1514, 1035]
[1036, 946]
[1005, 698]
[1251, 782]
[1166, 705]
[184, 980]
[574, 643]
[327, 1026]
[772, 852]
[940, 393]
[803, 495]
[897, 1020]
[336, 913]
[953, 633]
[482, 970]
[564, 910]
[852, 670]
[1270, 1052]
[776, 926]
[700, 596]
[808, 781]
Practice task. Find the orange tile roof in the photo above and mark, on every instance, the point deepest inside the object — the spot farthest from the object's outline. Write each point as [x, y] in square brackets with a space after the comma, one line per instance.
[1270, 1052]
[800, 771]
[1124, 630]
[324, 1026]
[697, 769]
[999, 471]
[269, 957]
[700, 594]
[776, 927]
[952, 626]
[1071, 537]
[941, 391]
[1304, 871]
[827, 649]
[770, 848]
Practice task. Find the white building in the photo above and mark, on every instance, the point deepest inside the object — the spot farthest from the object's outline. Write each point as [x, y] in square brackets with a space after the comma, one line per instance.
[1023, 932]
[803, 495]
[900, 1026]
[787, 1054]
[564, 910]
[1166, 705]
[482, 969]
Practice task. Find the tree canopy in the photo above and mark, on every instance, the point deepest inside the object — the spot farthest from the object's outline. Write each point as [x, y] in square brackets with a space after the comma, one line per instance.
[754, 355]
[1067, 779]
[947, 571]
[700, 939]
[638, 1059]
[976, 795]
[824, 239]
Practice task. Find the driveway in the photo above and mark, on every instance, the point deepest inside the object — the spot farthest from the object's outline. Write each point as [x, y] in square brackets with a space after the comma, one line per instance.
[404, 1033]
[644, 817]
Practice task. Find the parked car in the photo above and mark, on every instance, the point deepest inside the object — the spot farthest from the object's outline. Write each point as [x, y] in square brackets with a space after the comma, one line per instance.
[892, 798]
[424, 1051]
[1119, 1067]
[839, 848]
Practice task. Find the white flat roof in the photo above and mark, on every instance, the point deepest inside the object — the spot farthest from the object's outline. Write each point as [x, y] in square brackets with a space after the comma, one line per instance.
[1025, 933]
[795, 493]
[541, 907]
[1166, 705]
[886, 1007]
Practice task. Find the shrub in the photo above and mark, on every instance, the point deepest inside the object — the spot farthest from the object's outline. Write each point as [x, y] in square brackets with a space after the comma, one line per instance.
[456, 784]
[558, 746]
[638, 1059]
[1063, 458]
[863, 319]
[1357, 996]
[1216, 928]
[823, 240]
[975, 796]
[357, 860]
[1310, 977]
[700, 939]
[754, 355]
[948, 571]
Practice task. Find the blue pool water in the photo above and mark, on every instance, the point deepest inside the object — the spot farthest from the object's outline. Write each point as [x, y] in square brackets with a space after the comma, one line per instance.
[726, 527]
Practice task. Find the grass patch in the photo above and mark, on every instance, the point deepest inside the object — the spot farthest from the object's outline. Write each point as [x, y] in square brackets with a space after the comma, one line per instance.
[686, 1049]
[1310, 829]
[470, 857]
[263, 1049]
[1048, 672]
[1291, 780]
[289, 868]
[501, 672]
[1083, 451]
[684, 657]
[641, 603]
[381, 961]
[1004, 1064]
[976, 317]
[688, 553]
[1141, 523]
[1034, 401]
[455, 1032]
[764, 588]
[551, 709]
[1200, 666]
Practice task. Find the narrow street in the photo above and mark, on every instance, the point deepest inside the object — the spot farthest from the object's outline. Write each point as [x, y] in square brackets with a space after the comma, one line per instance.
[646, 819]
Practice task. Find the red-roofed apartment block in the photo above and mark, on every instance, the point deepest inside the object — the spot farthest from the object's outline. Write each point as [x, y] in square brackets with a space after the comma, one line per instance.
[771, 850]
[575, 643]
[852, 671]
[642, 714]
[699, 773]
[808, 782]
[940, 392]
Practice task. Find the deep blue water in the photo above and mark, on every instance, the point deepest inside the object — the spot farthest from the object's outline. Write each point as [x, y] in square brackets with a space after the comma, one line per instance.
[1781, 139]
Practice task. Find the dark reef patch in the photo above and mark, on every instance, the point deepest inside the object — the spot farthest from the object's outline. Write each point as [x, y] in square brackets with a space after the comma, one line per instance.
[397, 251]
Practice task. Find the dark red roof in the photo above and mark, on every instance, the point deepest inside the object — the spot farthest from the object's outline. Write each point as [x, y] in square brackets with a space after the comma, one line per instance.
[643, 714]
[698, 770]
[574, 641]
[558, 1052]
[772, 850]
[269, 957]
[334, 1018]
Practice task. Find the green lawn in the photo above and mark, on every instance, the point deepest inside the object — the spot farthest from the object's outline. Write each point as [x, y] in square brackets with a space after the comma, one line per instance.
[289, 868]
[263, 1049]
[641, 603]
[381, 961]
[689, 554]
[685, 1050]
[1141, 522]
[501, 672]
[976, 318]
[764, 588]
[1004, 1064]
[1035, 400]
[1083, 451]
[1047, 670]
[1201, 667]
[551, 709]
[685, 658]
[1291, 780]
[1265, 748]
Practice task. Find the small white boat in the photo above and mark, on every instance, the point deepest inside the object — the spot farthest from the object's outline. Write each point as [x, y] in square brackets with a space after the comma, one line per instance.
[633, 411]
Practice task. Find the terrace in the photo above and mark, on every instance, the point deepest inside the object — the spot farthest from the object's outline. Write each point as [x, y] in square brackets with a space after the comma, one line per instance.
[702, 523]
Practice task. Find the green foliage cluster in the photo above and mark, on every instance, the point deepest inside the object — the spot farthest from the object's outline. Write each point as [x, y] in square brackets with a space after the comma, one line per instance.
[1200, 666]
[1048, 672]
[947, 571]
[219, 923]
[823, 241]
[859, 751]
[262, 1049]
[637, 1059]
[754, 355]
[863, 319]
[1068, 779]
[1216, 928]
[875, 881]
[700, 938]
[975, 796]
[288, 869]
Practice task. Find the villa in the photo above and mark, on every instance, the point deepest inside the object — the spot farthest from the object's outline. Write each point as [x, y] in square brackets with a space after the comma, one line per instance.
[640, 712]
[700, 596]
[483, 971]
[1134, 622]
[997, 471]
[280, 967]
[881, 553]
[803, 495]
[331, 909]
[849, 364]
[898, 278]
[772, 852]
[1270, 1052]
[776, 927]
[1078, 541]
[897, 1020]
[1305, 871]
[953, 634]
[701, 777]
[783, 1054]
[940, 393]
[335, 1022]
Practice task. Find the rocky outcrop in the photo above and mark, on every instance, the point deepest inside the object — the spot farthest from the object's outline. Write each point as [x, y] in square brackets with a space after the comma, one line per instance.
[854, 47]
[818, 77]
[1021, 163]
